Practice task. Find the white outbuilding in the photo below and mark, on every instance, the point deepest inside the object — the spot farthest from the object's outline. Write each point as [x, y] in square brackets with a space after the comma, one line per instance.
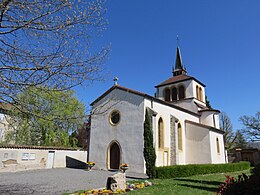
[185, 130]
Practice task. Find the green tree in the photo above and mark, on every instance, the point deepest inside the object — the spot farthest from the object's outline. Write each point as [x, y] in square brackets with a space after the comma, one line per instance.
[149, 151]
[56, 114]
[251, 128]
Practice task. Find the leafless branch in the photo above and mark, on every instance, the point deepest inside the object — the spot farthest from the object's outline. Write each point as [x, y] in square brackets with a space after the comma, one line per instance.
[49, 43]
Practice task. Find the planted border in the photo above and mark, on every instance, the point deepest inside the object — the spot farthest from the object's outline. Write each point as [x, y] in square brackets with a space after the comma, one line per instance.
[189, 170]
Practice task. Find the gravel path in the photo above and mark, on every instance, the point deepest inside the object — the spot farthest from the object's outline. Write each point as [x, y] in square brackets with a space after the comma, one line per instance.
[54, 181]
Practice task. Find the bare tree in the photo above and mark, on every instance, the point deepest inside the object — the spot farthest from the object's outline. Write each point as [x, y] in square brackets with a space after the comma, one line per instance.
[226, 126]
[49, 43]
[251, 127]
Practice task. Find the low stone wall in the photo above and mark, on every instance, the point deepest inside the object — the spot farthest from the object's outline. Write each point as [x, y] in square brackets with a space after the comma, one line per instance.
[27, 158]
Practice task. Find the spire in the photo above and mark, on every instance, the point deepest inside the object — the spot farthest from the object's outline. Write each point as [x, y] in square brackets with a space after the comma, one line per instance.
[179, 67]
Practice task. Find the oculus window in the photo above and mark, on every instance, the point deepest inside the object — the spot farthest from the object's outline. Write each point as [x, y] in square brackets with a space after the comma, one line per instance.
[114, 117]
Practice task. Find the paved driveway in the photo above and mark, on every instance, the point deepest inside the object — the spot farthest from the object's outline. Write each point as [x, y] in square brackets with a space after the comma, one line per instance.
[54, 181]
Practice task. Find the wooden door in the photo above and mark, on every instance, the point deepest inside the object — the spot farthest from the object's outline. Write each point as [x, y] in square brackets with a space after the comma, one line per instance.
[114, 156]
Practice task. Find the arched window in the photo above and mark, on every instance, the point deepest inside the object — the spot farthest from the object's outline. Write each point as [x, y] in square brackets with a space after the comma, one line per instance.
[167, 95]
[179, 137]
[197, 92]
[201, 96]
[217, 142]
[181, 92]
[174, 93]
[160, 134]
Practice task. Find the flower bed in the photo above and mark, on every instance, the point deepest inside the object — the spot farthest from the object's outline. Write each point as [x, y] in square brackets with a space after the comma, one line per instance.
[103, 191]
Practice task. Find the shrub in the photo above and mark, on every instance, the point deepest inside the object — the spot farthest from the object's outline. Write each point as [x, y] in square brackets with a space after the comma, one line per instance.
[189, 170]
[243, 185]
[256, 170]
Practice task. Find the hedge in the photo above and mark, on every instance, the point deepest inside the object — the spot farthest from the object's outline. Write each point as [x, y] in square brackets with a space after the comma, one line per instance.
[189, 170]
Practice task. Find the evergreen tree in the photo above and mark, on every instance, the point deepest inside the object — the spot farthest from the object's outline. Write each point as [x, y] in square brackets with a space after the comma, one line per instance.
[149, 151]
[208, 103]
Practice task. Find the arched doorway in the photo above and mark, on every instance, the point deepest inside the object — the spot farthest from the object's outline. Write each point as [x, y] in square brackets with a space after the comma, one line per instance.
[114, 155]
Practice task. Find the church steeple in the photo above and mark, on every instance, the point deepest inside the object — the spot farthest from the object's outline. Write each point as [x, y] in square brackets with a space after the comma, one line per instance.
[179, 67]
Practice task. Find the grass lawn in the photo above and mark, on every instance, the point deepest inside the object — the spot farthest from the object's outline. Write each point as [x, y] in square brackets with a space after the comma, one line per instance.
[199, 184]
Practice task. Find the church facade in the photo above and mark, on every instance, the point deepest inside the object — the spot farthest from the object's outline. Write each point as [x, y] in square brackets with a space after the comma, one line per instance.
[185, 130]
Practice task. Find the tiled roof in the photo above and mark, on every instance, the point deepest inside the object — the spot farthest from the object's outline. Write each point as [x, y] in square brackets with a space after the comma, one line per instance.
[177, 79]
[118, 87]
[143, 95]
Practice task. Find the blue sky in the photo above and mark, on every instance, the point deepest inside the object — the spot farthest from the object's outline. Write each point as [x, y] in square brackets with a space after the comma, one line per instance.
[219, 41]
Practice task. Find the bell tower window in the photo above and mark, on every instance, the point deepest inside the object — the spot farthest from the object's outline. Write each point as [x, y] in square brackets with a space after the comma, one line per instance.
[174, 93]
[201, 96]
[199, 93]
[181, 92]
[167, 95]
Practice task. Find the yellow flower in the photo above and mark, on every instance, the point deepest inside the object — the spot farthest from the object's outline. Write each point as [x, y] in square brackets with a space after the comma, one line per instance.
[91, 163]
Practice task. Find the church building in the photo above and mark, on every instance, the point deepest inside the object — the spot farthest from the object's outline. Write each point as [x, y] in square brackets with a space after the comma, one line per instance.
[185, 130]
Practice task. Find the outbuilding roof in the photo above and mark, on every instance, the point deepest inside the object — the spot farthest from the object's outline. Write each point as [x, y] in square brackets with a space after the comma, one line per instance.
[10, 146]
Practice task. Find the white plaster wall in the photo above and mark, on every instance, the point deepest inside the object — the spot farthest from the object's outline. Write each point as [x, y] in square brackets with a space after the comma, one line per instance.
[60, 157]
[41, 157]
[188, 104]
[217, 158]
[194, 85]
[209, 118]
[129, 132]
[6, 154]
[198, 149]
[165, 112]
[217, 120]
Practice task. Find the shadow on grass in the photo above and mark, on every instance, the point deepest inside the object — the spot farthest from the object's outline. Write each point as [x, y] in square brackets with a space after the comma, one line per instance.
[216, 183]
[210, 189]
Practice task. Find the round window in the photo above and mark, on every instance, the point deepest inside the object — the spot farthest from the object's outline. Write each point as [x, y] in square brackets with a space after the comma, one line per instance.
[115, 117]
